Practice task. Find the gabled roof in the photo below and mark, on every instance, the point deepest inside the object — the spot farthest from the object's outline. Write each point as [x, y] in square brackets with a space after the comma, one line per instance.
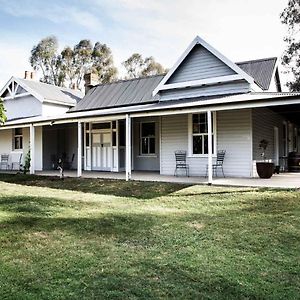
[46, 92]
[139, 90]
[120, 93]
[240, 74]
[262, 70]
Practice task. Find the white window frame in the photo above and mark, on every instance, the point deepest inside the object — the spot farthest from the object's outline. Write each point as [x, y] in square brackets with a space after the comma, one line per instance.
[141, 140]
[14, 139]
[190, 135]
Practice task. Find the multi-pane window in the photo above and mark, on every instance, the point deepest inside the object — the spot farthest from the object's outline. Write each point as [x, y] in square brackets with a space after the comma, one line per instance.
[147, 138]
[200, 134]
[18, 139]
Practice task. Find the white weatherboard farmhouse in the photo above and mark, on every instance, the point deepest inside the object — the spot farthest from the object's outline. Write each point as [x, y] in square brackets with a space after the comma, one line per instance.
[205, 103]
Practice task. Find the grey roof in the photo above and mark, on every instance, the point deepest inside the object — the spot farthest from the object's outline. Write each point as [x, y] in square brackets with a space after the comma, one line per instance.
[53, 93]
[261, 70]
[120, 93]
[139, 90]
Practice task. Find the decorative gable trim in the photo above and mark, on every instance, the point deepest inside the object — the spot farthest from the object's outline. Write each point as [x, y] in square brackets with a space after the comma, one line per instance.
[198, 41]
[206, 81]
[13, 92]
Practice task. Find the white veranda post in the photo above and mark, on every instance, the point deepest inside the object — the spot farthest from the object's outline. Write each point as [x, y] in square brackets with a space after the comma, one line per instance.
[128, 147]
[31, 145]
[79, 151]
[210, 147]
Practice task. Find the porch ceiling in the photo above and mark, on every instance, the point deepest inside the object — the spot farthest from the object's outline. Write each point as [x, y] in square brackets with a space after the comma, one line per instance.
[290, 112]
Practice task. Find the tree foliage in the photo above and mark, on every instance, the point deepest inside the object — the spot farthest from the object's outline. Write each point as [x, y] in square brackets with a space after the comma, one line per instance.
[2, 113]
[44, 57]
[68, 67]
[291, 57]
[136, 66]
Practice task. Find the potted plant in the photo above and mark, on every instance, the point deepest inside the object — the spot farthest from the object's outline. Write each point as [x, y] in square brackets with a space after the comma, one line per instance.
[265, 169]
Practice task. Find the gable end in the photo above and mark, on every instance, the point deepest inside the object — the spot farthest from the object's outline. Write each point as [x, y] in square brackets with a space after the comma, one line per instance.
[200, 64]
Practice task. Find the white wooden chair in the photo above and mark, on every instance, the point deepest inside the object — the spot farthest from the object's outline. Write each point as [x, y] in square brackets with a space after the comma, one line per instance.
[16, 161]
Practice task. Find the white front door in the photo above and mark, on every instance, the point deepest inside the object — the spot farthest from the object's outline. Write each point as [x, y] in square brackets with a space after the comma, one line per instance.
[101, 151]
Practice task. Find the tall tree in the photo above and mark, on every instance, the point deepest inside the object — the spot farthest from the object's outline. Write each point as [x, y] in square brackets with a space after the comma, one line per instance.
[68, 67]
[2, 113]
[82, 59]
[44, 57]
[291, 57]
[103, 63]
[136, 66]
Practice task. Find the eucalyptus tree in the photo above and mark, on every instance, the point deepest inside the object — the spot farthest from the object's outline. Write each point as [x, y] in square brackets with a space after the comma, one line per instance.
[291, 57]
[68, 67]
[136, 66]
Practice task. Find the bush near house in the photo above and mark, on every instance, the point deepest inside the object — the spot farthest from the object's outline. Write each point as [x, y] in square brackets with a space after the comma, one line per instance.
[183, 242]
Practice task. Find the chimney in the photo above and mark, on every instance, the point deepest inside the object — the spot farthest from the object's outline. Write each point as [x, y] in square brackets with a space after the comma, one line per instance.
[27, 75]
[90, 79]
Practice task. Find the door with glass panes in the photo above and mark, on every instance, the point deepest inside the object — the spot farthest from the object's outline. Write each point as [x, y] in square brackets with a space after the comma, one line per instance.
[101, 151]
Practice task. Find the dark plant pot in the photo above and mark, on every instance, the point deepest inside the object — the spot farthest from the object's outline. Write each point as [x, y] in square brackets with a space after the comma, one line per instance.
[265, 169]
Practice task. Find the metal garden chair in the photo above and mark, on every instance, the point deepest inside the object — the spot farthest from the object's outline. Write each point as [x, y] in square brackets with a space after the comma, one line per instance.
[4, 161]
[180, 157]
[218, 164]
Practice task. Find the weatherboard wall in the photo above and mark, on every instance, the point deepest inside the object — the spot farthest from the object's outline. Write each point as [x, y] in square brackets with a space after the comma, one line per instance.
[233, 135]
[51, 109]
[145, 162]
[264, 121]
[200, 64]
[6, 146]
[22, 107]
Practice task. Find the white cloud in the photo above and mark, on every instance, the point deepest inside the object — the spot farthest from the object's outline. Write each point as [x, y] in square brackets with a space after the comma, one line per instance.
[56, 13]
[240, 30]
[14, 60]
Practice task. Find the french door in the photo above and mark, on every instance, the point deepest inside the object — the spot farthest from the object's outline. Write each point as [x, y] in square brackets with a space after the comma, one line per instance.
[101, 151]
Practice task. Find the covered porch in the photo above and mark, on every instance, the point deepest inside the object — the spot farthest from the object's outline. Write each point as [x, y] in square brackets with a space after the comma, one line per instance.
[283, 180]
[121, 142]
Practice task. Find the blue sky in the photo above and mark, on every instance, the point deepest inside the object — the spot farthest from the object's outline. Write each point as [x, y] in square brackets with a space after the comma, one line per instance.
[240, 29]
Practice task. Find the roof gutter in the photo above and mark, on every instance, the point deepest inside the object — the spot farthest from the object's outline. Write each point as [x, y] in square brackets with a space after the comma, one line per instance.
[159, 111]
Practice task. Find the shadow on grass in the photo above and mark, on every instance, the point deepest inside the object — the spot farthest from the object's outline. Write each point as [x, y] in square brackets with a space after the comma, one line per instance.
[136, 189]
[150, 256]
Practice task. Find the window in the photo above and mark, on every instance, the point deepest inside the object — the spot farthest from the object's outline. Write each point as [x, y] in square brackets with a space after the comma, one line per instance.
[101, 126]
[114, 139]
[147, 138]
[285, 139]
[122, 134]
[199, 134]
[18, 139]
[295, 139]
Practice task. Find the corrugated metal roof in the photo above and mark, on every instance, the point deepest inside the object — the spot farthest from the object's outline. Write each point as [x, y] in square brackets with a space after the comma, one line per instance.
[261, 70]
[139, 90]
[53, 93]
[120, 93]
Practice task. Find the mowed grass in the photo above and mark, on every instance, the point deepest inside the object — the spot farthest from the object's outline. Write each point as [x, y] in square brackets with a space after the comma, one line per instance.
[184, 242]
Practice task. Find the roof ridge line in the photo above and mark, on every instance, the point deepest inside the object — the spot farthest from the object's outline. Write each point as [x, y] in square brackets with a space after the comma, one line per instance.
[125, 80]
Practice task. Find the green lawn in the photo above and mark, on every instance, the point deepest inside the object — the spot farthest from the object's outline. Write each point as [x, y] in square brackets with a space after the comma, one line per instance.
[142, 240]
